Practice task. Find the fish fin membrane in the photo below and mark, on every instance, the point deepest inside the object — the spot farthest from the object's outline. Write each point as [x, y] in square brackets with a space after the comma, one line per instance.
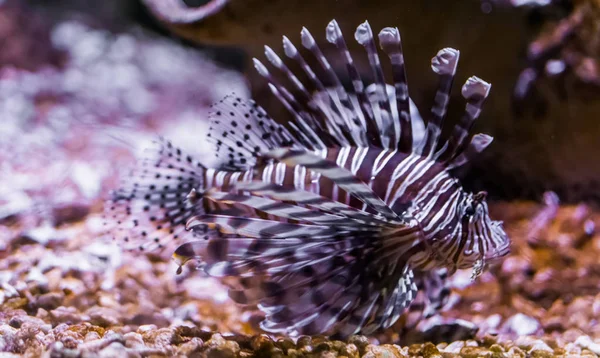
[325, 286]
[242, 131]
[147, 213]
[311, 271]
[434, 292]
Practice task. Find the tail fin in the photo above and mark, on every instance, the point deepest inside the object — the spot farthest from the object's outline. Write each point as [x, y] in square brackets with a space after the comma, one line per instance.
[149, 211]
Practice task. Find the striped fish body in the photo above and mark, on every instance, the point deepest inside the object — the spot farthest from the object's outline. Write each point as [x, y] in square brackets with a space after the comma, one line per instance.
[398, 178]
[332, 223]
[406, 182]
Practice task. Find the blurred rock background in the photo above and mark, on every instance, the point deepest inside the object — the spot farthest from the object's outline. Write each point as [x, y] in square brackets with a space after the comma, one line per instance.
[81, 95]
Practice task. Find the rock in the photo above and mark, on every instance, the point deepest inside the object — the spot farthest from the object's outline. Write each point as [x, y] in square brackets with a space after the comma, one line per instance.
[69, 212]
[160, 338]
[7, 334]
[116, 350]
[102, 316]
[385, 351]
[262, 343]
[554, 324]
[18, 321]
[497, 351]
[516, 352]
[541, 348]
[66, 314]
[430, 351]
[51, 300]
[285, 344]
[217, 346]
[193, 346]
[327, 355]
[472, 352]
[572, 348]
[521, 325]
[587, 343]
[541, 354]
[42, 234]
[133, 340]
[361, 342]
[454, 347]
[350, 351]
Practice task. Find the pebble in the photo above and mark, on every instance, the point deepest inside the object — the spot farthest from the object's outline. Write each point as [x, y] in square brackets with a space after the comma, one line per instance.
[521, 325]
[472, 352]
[193, 346]
[103, 317]
[7, 333]
[454, 347]
[349, 350]
[285, 344]
[66, 314]
[516, 352]
[528, 343]
[160, 338]
[540, 346]
[50, 300]
[387, 350]
[588, 343]
[262, 343]
[116, 350]
[220, 347]
[133, 340]
[361, 342]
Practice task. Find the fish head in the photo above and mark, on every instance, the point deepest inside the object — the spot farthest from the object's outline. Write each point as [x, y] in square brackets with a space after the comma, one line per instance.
[479, 240]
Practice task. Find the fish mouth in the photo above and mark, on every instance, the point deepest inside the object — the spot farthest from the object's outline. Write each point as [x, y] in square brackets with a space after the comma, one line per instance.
[498, 253]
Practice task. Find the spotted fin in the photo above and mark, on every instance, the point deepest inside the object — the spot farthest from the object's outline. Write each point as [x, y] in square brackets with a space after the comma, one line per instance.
[148, 212]
[241, 131]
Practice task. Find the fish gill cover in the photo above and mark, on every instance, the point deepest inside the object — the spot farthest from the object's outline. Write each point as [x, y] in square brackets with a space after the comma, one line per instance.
[333, 223]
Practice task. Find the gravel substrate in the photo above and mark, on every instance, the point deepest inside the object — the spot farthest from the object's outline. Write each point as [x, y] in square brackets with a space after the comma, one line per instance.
[65, 292]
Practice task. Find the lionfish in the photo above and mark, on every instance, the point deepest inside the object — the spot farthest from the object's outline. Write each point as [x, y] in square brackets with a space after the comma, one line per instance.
[332, 223]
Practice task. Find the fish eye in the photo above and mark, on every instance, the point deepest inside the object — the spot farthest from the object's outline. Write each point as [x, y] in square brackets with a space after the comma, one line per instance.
[470, 211]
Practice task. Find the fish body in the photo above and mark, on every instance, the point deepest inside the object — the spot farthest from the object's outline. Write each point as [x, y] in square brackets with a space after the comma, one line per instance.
[332, 223]
[406, 182]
